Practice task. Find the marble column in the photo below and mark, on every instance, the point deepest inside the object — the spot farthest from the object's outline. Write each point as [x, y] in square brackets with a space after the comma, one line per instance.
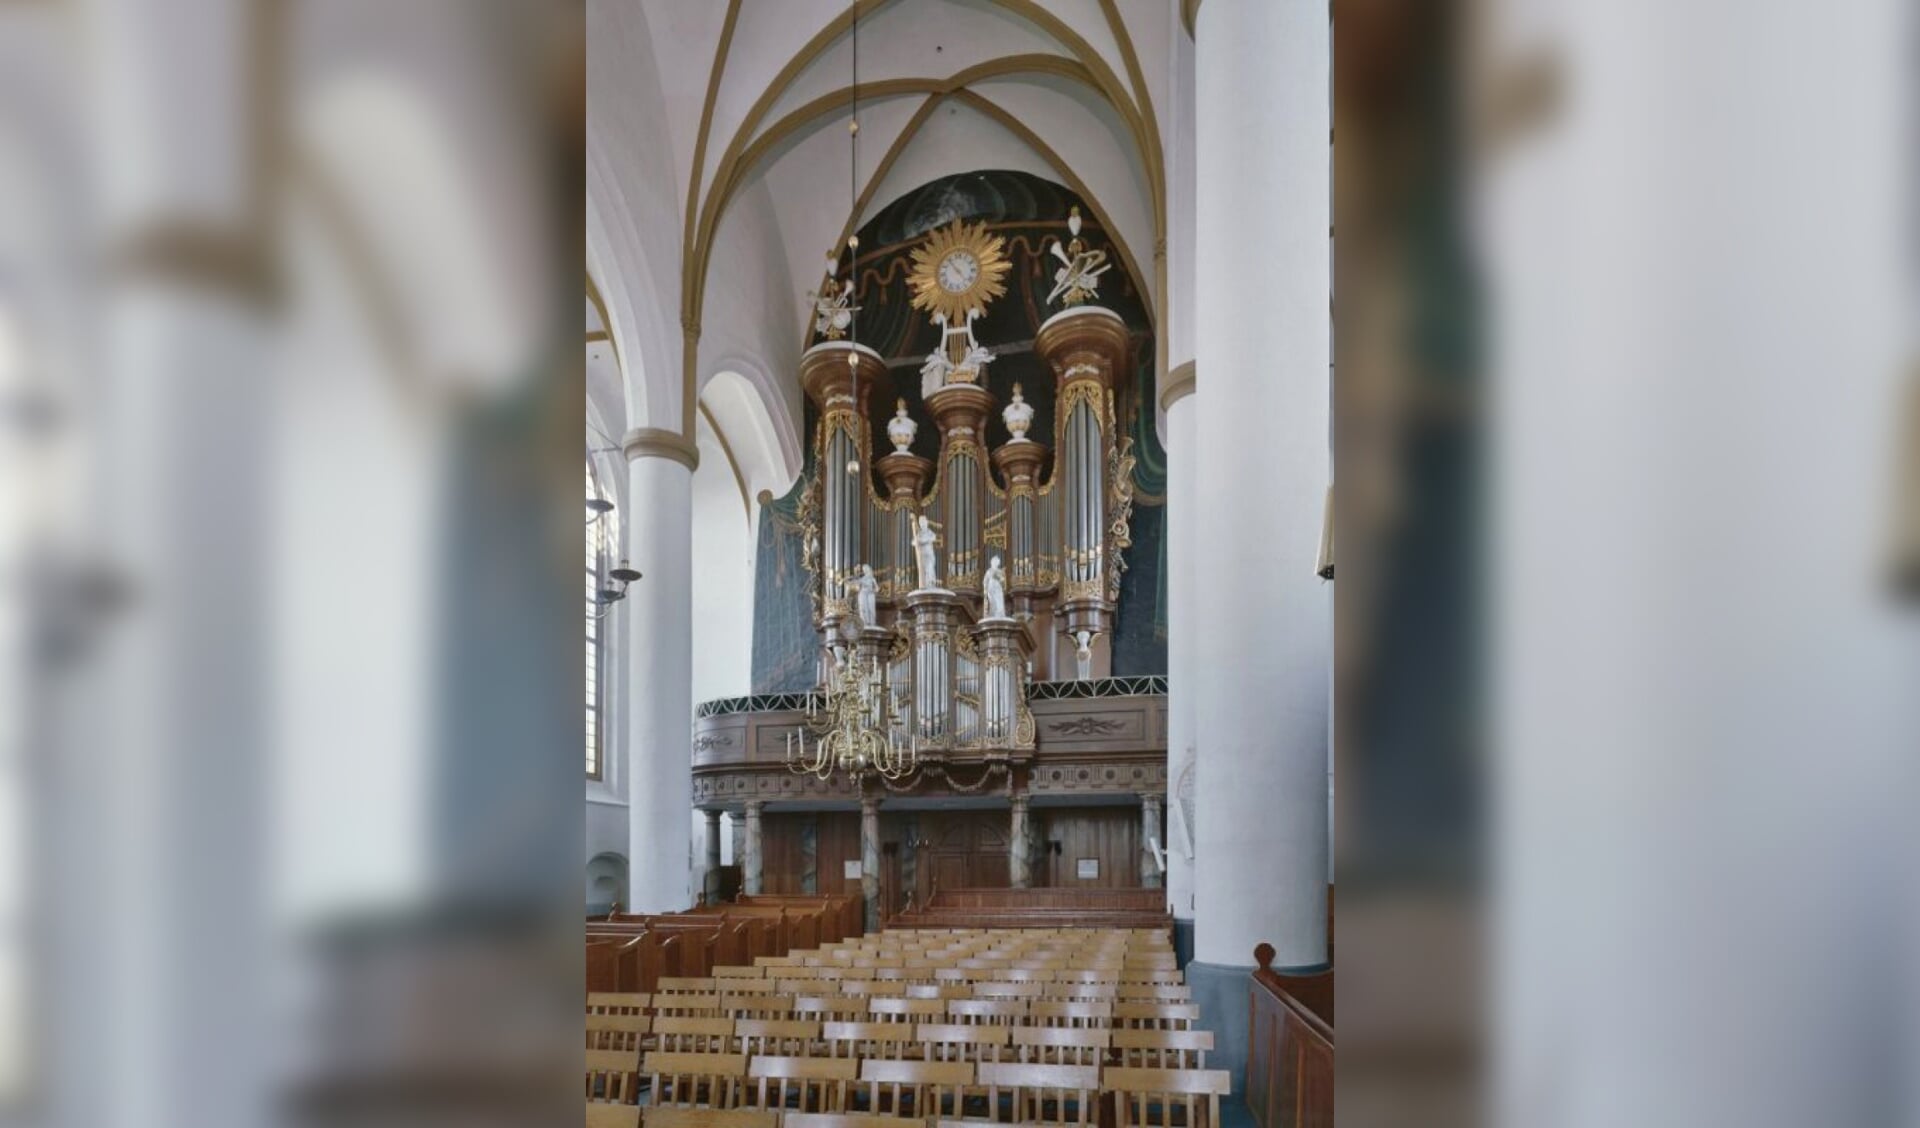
[1149, 835]
[1020, 860]
[870, 859]
[659, 623]
[1262, 617]
[713, 846]
[751, 867]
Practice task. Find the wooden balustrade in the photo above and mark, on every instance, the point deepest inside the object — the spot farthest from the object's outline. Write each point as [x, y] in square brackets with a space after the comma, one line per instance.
[1290, 1047]
[631, 952]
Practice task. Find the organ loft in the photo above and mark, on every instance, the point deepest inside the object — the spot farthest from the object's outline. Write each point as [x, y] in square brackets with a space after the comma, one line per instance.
[964, 532]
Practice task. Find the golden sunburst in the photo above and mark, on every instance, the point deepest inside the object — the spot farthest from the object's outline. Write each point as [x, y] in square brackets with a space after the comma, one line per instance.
[959, 268]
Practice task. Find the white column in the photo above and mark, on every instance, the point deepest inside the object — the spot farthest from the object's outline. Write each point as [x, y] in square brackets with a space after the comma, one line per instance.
[1183, 671]
[178, 732]
[1262, 619]
[659, 623]
[750, 876]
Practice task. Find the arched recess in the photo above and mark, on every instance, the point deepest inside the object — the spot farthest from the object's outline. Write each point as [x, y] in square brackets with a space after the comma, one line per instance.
[606, 881]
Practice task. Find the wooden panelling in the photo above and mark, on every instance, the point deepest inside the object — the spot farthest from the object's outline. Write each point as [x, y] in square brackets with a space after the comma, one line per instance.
[1289, 1051]
[783, 855]
[1108, 835]
[963, 849]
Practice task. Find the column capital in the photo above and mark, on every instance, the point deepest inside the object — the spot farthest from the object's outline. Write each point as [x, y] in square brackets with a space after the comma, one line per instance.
[1177, 386]
[869, 804]
[658, 442]
[1019, 798]
[753, 808]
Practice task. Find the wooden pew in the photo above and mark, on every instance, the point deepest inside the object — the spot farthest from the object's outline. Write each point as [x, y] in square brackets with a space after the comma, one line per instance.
[1290, 1048]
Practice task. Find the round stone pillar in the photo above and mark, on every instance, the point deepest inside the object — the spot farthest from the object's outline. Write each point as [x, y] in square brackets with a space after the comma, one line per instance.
[1020, 859]
[1183, 674]
[1149, 835]
[870, 859]
[713, 847]
[659, 623]
[750, 878]
[1262, 617]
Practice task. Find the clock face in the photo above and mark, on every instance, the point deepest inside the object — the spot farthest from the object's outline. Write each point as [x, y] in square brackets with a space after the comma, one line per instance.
[958, 271]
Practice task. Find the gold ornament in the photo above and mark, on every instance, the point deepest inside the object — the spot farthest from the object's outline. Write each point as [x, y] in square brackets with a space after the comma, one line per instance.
[959, 269]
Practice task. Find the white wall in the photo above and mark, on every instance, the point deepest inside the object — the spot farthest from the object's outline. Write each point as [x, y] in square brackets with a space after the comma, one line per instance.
[722, 578]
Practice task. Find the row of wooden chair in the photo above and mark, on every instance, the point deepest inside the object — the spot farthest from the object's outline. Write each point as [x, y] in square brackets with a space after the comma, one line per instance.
[929, 971]
[982, 989]
[1130, 1013]
[964, 1092]
[1048, 1045]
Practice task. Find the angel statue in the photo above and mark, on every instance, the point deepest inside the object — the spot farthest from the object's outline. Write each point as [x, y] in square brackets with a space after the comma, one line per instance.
[923, 540]
[934, 373]
[833, 310]
[865, 590]
[1078, 279]
[1083, 653]
[994, 585]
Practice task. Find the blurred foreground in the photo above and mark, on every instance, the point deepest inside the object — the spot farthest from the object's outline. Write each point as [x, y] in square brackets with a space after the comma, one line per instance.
[1629, 505]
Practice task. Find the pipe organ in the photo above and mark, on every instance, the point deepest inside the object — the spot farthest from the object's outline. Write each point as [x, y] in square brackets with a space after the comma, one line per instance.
[1054, 517]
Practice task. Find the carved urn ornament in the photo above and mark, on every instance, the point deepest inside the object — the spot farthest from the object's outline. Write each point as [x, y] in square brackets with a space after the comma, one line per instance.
[902, 427]
[1019, 416]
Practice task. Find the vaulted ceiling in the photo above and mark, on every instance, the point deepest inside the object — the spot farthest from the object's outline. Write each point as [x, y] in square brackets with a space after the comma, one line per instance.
[719, 160]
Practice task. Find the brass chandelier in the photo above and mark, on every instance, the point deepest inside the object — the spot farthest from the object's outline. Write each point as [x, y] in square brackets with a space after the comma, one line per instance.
[856, 732]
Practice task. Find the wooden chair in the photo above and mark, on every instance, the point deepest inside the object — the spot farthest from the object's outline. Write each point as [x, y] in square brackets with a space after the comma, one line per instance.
[938, 991]
[739, 973]
[1155, 1016]
[618, 1002]
[731, 987]
[703, 1004]
[684, 985]
[709, 1080]
[1166, 1098]
[683, 1034]
[987, 1012]
[1088, 977]
[710, 1118]
[758, 1006]
[996, 989]
[916, 1088]
[613, 1076]
[1042, 1094]
[776, 1036]
[617, 1031]
[1163, 1049]
[894, 1009]
[1156, 992]
[1062, 1045]
[1084, 992]
[830, 1008]
[1048, 1012]
[603, 1115]
[957, 1042]
[847, 1120]
[867, 1039]
[813, 1084]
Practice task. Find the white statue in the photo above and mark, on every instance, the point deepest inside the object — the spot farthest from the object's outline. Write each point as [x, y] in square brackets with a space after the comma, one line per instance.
[1083, 653]
[1019, 416]
[975, 362]
[833, 309]
[994, 584]
[934, 373]
[902, 427]
[923, 538]
[865, 591]
[1078, 279]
